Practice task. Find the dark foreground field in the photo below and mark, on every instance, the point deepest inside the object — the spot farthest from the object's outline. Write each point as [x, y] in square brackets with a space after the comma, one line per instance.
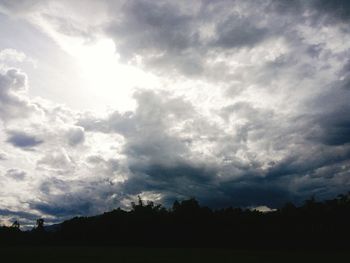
[178, 255]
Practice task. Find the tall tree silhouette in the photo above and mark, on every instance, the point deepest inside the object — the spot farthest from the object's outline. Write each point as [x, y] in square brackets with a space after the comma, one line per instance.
[15, 225]
[40, 224]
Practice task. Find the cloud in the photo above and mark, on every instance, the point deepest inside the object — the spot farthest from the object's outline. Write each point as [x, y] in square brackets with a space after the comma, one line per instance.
[76, 136]
[3, 156]
[251, 108]
[236, 31]
[147, 130]
[254, 162]
[13, 103]
[160, 158]
[16, 174]
[21, 5]
[60, 199]
[80, 208]
[263, 209]
[333, 128]
[16, 214]
[188, 35]
[12, 54]
[322, 11]
[333, 11]
[57, 161]
[23, 140]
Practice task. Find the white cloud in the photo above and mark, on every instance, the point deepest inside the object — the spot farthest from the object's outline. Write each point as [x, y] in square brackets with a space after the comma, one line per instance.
[16, 174]
[12, 55]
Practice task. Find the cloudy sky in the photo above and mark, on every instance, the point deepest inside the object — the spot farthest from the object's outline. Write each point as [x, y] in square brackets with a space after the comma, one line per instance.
[242, 103]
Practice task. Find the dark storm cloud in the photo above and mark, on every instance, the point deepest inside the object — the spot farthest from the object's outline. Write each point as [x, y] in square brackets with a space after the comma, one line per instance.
[331, 121]
[23, 140]
[159, 31]
[320, 11]
[64, 199]
[322, 139]
[286, 6]
[344, 76]
[300, 165]
[334, 128]
[235, 31]
[81, 208]
[179, 36]
[335, 10]
[182, 179]
[156, 159]
[255, 192]
[163, 24]
[174, 34]
[18, 214]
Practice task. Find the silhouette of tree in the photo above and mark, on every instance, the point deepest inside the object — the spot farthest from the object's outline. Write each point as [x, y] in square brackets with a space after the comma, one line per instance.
[40, 224]
[313, 225]
[15, 225]
[189, 206]
[139, 204]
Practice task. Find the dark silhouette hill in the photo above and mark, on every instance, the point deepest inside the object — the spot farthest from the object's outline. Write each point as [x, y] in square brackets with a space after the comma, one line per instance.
[187, 224]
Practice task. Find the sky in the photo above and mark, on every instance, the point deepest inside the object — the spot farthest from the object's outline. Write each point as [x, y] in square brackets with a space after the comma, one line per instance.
[235, 103]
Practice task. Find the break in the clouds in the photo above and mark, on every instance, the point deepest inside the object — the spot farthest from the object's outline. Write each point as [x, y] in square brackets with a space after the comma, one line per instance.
[242, 103]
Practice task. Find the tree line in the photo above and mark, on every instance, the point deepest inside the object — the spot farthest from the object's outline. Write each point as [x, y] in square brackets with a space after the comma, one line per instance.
[188, 224]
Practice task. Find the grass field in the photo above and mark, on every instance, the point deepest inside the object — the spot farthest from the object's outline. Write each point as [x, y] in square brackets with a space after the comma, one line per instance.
[164, 255]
